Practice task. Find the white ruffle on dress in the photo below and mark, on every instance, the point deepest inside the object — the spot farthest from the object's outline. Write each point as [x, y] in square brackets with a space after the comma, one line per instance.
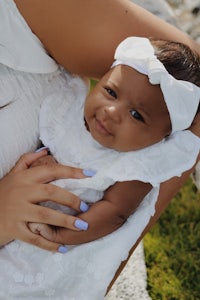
[28, 272]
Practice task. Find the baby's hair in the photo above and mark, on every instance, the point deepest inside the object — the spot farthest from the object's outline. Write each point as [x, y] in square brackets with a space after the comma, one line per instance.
[179, 60]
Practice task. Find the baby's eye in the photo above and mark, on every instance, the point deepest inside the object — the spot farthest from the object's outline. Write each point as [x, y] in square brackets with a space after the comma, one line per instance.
[136, 115]
[111, 92]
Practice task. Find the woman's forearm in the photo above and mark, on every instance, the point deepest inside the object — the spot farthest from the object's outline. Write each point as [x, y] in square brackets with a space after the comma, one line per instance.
[95, 27]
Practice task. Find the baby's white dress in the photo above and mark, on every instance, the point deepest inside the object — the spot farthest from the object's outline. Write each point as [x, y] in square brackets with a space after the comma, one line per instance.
[83, 273]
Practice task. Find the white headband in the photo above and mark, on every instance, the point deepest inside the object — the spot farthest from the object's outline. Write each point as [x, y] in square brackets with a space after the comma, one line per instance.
[181, 97]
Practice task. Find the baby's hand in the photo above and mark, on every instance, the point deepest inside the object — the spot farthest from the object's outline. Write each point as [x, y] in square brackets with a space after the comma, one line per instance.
[47, 160]
[46, 231]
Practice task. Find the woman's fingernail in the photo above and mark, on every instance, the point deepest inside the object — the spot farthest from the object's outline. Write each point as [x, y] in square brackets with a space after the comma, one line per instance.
[89, 173]
[62, 249]
[83, 206]
[81, 224]
[41, 149]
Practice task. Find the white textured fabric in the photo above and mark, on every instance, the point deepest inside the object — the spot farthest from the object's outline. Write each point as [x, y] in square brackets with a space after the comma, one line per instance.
[21, 95]
[86, 270]
[181, 97]
[20, 49]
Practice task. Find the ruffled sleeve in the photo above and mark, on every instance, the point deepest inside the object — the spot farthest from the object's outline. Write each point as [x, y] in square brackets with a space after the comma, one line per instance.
[159, 162]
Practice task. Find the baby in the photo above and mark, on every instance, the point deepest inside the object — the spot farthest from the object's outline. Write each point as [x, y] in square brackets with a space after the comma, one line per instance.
[130, 127]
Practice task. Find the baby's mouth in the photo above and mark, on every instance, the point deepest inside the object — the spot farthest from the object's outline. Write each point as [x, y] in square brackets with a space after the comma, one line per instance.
[100, 127]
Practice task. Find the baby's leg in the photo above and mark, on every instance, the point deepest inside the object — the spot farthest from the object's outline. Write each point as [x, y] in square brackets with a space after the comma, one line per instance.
[44, 230]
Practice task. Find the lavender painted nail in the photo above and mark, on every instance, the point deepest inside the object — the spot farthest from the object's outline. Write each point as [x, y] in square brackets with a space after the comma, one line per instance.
[80, 224]
[89, 173]
[62, 249]
[41, 149]
[84, 207]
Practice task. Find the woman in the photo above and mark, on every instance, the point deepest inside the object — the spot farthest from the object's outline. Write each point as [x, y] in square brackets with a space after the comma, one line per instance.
[82, 38]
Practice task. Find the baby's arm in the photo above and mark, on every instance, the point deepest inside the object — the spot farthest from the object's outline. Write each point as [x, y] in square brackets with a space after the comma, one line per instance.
[104, 217]
[108, 214]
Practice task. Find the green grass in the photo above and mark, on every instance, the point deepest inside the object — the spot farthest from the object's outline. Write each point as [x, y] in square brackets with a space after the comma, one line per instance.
[172, 249]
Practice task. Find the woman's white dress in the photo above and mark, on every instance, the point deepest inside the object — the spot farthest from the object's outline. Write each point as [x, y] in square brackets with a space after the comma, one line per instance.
[84, 272]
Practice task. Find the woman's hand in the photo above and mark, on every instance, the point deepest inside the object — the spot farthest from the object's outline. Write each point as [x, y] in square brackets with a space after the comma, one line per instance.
[20, 192]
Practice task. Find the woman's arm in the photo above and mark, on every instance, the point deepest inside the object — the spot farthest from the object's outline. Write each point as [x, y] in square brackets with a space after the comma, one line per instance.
[82, 36]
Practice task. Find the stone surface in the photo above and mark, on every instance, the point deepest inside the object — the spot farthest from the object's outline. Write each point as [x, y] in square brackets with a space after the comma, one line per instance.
[131, 284]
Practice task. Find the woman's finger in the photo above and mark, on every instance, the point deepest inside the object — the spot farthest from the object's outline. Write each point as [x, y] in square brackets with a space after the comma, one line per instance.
[46, 192]
[53, 217]
[48, 173]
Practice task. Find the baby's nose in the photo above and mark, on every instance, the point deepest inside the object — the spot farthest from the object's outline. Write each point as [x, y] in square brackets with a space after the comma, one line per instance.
[113, 112]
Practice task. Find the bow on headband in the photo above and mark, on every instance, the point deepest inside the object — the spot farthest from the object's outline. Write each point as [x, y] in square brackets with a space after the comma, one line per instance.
[181, 97]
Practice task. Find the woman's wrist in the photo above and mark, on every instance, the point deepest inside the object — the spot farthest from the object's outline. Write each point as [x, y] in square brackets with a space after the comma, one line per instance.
[195, 128]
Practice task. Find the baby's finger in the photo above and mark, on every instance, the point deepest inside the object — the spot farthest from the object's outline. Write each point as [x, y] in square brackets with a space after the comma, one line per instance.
[42, 243]
[47, 231]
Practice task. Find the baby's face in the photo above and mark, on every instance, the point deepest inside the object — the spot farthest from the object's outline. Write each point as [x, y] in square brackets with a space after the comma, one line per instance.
[125, 112]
